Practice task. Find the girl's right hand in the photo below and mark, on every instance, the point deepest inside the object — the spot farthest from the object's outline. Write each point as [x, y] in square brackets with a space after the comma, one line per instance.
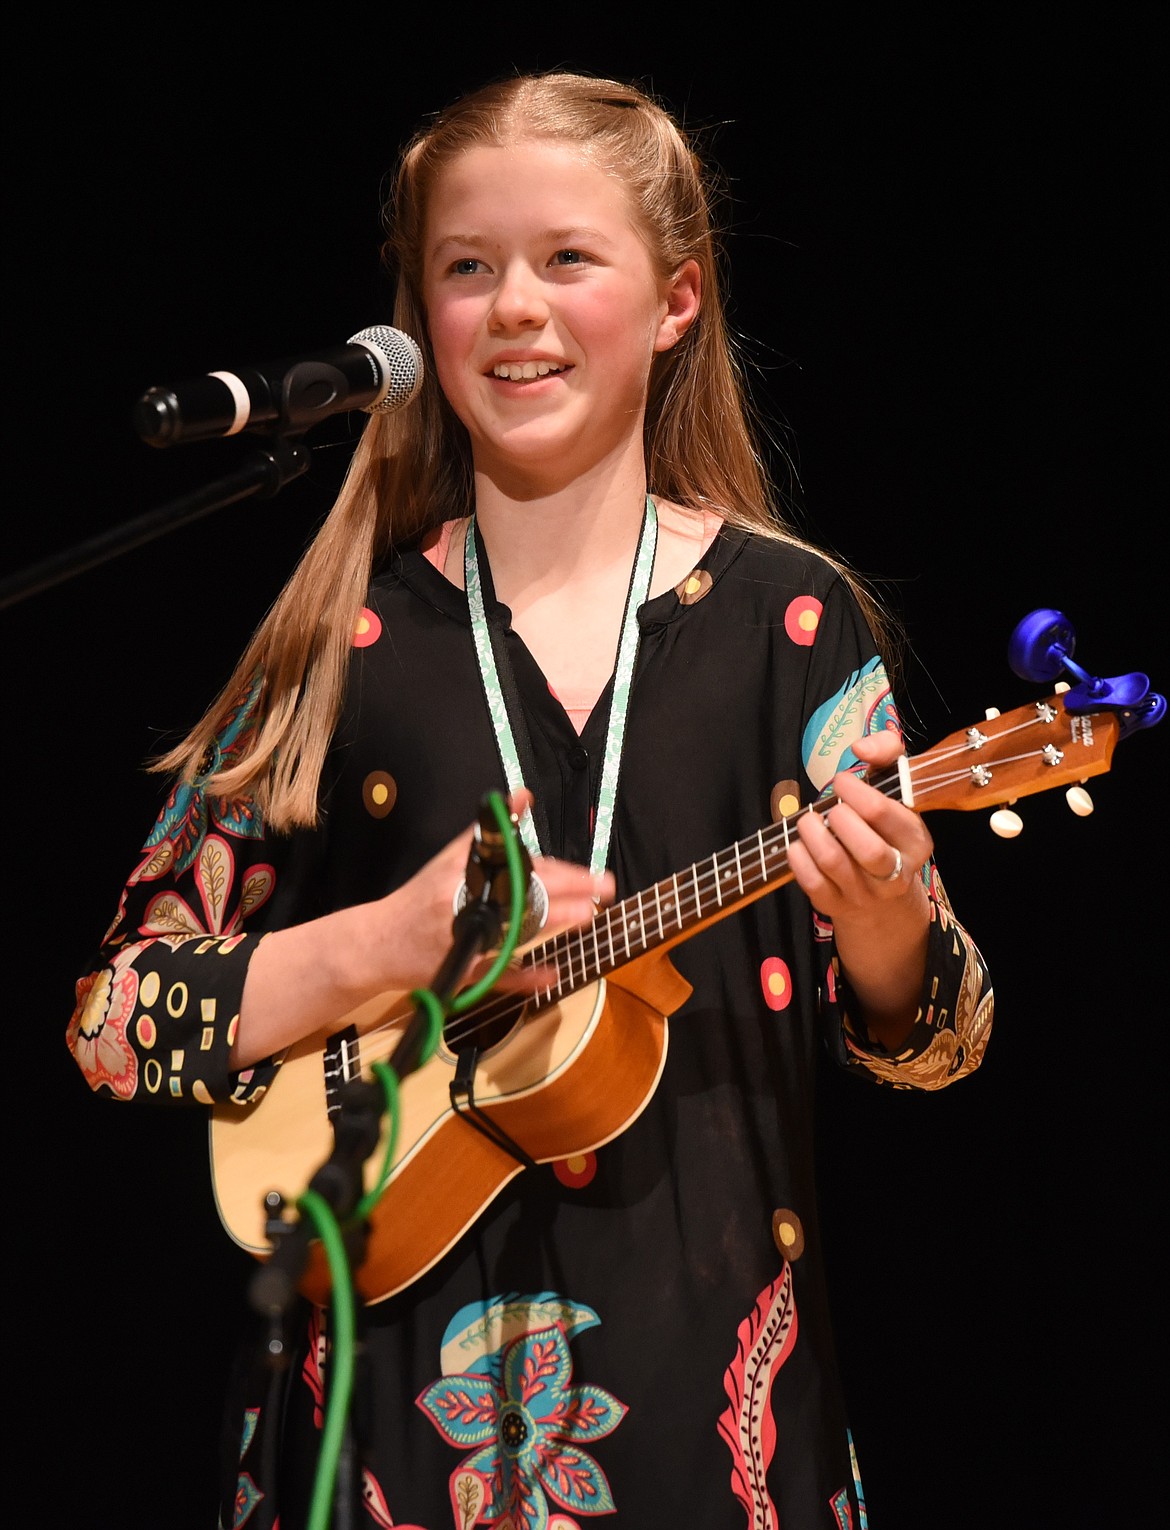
[422, 910]
[304, 979]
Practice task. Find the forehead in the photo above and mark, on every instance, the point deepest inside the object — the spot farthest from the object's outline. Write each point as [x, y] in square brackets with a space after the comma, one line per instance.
[493, 188]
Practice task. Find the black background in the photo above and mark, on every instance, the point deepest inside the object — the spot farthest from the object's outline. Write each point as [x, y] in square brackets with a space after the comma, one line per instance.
[948, 261]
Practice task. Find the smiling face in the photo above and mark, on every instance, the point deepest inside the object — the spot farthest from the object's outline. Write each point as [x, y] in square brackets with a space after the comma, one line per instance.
[545, 311]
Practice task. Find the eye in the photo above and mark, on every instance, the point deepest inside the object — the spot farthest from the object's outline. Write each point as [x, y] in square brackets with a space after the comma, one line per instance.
[569, 258]
[467, 266]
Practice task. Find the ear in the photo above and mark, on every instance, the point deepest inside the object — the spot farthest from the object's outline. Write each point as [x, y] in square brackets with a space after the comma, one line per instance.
[681, 302]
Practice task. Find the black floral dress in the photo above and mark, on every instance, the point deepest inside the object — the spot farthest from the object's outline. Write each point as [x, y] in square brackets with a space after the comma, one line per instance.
[638, 1329]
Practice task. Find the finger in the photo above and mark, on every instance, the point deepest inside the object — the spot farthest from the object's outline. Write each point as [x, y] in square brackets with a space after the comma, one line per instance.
[852, 860]
[896, 823]
[880, 748]
[808, 855]
[519, 802]
[830, 859]
[566, 879]
[525, 978]
[869, 849]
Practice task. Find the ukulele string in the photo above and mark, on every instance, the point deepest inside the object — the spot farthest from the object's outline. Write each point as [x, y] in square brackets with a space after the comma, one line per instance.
[966, 747]
[924, 784]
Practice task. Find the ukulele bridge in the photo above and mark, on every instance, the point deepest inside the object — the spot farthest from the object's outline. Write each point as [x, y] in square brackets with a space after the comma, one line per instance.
[341, 1063]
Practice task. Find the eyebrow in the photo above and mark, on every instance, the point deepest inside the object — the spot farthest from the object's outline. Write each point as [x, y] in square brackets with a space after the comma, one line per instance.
[574, 234]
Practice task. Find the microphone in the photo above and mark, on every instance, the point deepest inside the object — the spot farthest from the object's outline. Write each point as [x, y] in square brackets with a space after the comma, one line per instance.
[487, 884]
[379, 370]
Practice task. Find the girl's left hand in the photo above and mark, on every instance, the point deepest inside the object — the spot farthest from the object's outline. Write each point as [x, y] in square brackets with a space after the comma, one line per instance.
[867, 850]
[858, 865]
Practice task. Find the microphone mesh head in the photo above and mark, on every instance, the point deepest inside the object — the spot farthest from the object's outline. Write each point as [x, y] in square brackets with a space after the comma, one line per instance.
[401, 362]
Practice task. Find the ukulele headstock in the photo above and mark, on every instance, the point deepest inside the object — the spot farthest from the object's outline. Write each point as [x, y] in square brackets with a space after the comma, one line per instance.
[1060, 741]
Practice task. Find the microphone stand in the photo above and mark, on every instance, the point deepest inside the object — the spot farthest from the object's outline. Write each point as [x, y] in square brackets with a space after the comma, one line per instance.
[339, 1180]
[264, 471]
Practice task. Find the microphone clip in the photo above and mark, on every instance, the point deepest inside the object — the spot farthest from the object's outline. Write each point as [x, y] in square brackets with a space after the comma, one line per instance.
[487, 884]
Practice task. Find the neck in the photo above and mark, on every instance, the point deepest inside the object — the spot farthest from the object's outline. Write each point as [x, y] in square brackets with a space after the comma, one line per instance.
[568, 536]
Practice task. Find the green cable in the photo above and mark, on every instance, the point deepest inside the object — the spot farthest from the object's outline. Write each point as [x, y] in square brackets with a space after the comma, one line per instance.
[389, 1081]
[341, 1382]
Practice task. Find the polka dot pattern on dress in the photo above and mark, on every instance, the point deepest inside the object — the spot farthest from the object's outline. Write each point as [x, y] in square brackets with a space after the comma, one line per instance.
[379, 793]
[692, 589]
[367, 629]
[776, 982]
[802, 618]
[785, 800]
[788, 1233]
[577, 1170]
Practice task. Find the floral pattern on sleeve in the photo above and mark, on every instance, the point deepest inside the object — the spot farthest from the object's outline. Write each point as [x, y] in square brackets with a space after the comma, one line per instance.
[956, 1006]
[156, 1015]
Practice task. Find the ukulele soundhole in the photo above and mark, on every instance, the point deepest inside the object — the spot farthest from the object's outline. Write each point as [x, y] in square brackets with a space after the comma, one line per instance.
[485, 1027]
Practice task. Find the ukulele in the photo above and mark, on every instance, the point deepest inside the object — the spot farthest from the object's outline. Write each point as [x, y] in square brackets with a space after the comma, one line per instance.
[521, 1079]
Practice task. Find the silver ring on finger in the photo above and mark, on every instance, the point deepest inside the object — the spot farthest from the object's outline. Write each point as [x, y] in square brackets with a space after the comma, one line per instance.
[897, 871]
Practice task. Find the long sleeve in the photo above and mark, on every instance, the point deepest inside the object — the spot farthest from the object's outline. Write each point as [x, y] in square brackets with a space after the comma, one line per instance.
[956, 1005]
[158, 1006]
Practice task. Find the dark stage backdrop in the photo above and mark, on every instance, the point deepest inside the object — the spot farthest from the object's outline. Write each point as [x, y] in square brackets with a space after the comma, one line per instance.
[947, 243]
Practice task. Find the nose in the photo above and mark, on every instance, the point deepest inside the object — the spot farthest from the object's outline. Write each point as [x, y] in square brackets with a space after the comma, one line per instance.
[519, 301]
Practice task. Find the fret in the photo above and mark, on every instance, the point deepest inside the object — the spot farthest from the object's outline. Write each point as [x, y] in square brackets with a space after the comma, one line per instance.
[738, 867]
[763, 863]
[555, 950]
[677, 900]
[584, 963]
[609, 936]
[642, 920]
[596, 952]
[538, 958]
[698, 894]
[560, 979]
[718, 880]
[658, 909]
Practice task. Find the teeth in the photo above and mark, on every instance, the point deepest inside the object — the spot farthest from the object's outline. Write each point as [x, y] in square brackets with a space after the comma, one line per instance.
[516, 371]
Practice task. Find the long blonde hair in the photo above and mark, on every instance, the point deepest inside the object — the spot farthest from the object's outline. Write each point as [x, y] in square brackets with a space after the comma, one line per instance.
[412, 470]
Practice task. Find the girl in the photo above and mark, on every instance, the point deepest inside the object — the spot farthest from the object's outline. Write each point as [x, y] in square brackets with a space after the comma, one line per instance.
[559, 573]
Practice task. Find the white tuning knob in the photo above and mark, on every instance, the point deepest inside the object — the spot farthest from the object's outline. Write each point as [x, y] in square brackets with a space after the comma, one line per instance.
[1061, 686]
[1006, 824]
[991, 712]
[1079, 800]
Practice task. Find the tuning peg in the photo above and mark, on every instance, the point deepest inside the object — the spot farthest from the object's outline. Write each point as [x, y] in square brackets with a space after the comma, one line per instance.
[1079, 800]
[991, 713]
[1006, 824]
[1061, 686]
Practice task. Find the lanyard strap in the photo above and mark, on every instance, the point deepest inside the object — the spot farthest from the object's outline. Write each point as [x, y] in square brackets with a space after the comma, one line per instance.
[619, 704]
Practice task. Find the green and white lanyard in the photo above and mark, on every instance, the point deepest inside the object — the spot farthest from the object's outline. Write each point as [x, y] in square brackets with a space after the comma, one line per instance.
[619, 704]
